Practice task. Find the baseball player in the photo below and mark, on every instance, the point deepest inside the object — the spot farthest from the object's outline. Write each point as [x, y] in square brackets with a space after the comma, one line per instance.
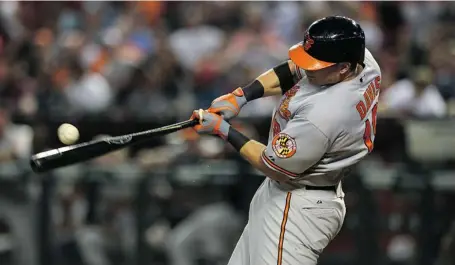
[324, 123]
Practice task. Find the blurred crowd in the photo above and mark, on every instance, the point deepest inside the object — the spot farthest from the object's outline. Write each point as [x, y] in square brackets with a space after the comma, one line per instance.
[148, 61]
[144, 60]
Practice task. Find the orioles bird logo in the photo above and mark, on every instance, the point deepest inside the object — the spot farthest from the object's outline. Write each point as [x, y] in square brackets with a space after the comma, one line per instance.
[308, 43]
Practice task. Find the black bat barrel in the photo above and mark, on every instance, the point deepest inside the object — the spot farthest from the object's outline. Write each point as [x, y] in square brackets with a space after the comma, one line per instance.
[82, 152]
[69, 155]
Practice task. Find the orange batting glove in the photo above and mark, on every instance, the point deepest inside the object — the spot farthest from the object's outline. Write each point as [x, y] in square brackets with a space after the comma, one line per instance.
[210, 123]
[229, 105]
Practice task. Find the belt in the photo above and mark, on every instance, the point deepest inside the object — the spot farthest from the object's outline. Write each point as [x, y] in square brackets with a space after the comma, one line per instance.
[308, 187]
[329, 188]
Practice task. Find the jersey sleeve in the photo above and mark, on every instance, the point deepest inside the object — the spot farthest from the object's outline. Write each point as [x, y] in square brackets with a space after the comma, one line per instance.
[296, 148]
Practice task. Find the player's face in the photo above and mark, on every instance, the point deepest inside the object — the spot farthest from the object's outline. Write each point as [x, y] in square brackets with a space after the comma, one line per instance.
[327, 76]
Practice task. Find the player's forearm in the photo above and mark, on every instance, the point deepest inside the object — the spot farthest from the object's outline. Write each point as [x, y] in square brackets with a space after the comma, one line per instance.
[251, 150]
[269, 80]
[275, 81]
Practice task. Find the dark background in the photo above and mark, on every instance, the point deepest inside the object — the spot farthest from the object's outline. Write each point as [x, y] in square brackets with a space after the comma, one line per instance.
[112, 68]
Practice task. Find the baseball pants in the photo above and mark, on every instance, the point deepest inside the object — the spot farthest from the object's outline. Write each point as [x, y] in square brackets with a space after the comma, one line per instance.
[289, 226]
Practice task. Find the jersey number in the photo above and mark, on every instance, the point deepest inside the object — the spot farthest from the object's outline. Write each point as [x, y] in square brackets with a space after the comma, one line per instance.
[369, 134]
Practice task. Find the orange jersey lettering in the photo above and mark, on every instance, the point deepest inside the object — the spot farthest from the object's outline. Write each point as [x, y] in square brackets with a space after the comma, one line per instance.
[284, 106]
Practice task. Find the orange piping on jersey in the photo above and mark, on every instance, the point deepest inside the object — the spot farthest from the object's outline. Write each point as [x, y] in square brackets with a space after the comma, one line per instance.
[369, 95]
[375, 116]
[367, 136]
[283, 228]
[276, 167]
[377, 84]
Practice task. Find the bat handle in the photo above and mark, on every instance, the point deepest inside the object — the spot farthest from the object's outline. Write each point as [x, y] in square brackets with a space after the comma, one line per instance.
[189, 123]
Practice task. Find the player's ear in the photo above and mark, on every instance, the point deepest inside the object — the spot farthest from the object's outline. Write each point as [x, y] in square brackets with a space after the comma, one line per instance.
[345, 67]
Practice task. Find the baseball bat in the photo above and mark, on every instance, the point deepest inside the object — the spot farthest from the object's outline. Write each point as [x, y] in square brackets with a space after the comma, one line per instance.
[73, 154]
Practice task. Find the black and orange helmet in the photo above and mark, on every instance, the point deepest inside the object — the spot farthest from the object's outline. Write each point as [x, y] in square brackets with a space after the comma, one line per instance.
[328, 41]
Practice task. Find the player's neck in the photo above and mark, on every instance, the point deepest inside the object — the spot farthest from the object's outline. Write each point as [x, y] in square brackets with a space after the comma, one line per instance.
[347, 76]
[353, 74]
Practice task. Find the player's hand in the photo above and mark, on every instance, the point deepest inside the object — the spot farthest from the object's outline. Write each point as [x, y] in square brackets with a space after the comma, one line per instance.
[210, 123]
[229, 105]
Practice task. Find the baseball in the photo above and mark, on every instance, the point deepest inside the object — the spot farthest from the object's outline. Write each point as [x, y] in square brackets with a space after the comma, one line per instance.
[67, 133]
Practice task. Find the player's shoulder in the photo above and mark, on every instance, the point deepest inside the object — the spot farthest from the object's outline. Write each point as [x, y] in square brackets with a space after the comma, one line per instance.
[371, 62]
[334, 108]
[327, 111]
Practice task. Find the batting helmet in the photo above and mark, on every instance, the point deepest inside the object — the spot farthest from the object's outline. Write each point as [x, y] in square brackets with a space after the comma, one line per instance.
[328, 41]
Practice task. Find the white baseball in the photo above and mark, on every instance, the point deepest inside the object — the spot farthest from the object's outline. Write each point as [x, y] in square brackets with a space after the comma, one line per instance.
[68, 133]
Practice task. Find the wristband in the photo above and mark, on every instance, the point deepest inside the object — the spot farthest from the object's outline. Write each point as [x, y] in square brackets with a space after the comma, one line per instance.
[253, 91]
[224, 129]
[237, 139]
[285, 76]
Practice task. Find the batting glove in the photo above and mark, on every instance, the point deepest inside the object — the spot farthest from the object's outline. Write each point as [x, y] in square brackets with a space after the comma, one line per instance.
[210, 123]
[229, 105]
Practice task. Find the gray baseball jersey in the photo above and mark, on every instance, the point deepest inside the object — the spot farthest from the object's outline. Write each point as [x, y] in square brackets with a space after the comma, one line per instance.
[316, 134]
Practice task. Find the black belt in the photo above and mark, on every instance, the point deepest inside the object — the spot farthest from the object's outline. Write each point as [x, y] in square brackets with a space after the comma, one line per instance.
[329, 188]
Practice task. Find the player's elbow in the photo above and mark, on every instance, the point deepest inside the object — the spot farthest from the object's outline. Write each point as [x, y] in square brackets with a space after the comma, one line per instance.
[275, 175]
